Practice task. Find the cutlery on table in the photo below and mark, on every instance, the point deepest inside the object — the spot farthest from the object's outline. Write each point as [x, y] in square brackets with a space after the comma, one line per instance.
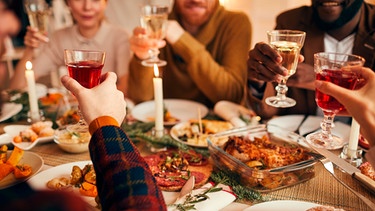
[328, 165]
[186, 189]
[331, 158]
[300, 124]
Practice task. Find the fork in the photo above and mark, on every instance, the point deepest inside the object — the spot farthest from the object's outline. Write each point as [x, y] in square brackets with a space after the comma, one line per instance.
[328, 165]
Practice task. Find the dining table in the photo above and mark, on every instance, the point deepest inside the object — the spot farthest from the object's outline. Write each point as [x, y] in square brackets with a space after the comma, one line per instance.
[322, 189]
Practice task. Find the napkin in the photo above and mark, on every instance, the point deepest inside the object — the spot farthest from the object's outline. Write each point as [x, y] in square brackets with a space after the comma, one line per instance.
[216, 201]
[232, 112]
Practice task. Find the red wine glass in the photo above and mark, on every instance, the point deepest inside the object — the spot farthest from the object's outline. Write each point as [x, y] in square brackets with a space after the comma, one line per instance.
[85, 67]
[332, 67]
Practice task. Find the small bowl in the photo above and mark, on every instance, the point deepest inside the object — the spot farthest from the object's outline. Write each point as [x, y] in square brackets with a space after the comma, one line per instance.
[72, 142]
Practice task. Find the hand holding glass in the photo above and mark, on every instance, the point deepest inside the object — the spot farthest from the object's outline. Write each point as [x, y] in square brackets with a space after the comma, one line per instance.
[154, 19]
[38, 13]
[332, 67]
[288, 44]
[86, 68]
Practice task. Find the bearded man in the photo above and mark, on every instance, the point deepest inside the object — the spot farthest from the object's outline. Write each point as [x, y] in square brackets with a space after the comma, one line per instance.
[206, 51]
[342, 26]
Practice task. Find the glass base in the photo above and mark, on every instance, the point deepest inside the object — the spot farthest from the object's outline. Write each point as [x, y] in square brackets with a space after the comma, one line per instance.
[319, 141]
[151, 62]
[154, 147]
[353, 157]
[279, 103]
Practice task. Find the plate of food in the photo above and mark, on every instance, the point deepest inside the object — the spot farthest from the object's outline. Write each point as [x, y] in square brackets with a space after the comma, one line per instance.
[28, 161]
[5, 139]
[282, 205]
[175, 111]
[192, 134]
[59, 177]
[23, 135]
[8, 110]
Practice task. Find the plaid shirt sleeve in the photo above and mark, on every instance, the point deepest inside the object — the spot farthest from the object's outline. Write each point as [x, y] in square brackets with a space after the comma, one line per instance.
[124, 180]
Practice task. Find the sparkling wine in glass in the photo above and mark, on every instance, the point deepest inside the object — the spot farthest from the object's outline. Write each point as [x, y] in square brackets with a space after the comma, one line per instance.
[85, 67]
[154, 19]
[38, 13]
[332, 67]
[288, 44]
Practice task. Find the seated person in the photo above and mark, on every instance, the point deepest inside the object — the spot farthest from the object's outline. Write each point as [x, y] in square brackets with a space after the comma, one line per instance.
[123, 178]
[205, 50]
[329, 27]
[90, 32]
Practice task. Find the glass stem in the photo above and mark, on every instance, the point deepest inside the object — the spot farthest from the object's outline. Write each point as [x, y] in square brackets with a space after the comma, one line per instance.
[153, 52]
[281, 89]
[327, 125]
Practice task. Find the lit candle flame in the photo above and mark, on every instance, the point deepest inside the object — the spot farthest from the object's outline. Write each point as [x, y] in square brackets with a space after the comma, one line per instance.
[29, 65]
[156, 71]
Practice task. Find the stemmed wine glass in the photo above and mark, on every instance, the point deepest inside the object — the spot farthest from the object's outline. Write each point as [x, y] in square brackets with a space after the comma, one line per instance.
[86, 67]
[154, 19]
[288, 44]
[332, 67]
[38, 13]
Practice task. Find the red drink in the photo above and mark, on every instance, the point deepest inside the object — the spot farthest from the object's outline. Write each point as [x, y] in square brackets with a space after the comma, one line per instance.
[344, 79]
[87, 73]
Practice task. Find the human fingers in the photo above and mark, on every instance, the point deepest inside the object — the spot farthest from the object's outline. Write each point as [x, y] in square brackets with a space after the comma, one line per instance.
[267, 56]
[340, 93]
[72, 85]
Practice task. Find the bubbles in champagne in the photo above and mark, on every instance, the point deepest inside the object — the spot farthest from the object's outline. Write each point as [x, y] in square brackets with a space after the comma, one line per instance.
[39, 20]
[155, 25]
[290, 53]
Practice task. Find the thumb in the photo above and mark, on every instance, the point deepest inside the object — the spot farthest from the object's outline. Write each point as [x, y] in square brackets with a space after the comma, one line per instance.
[71, 84]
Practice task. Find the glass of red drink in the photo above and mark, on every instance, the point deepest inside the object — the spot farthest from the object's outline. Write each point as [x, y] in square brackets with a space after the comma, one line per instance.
[335, 68]
[85, 66]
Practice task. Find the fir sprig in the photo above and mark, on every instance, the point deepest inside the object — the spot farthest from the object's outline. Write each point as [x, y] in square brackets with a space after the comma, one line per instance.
[232, 180]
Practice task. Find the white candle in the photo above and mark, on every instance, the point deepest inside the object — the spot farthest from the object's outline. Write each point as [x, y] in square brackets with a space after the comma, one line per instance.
[158, 97]
[33, 100]
[353, 138]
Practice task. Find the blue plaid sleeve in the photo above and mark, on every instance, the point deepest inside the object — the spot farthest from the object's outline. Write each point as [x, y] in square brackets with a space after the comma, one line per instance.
[124, 180]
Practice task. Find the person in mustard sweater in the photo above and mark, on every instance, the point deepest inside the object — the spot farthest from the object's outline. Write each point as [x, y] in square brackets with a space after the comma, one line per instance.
[206, 50]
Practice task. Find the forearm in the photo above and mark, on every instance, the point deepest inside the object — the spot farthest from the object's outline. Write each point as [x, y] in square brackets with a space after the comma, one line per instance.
[124, 180]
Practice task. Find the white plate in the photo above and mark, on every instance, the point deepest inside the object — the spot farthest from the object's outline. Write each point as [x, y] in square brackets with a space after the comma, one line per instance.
[174, 133]
[14, 130]
[282, 205]
[183, 110]
[30, 158]
[5, 139]
[8, 110]
[39, 181]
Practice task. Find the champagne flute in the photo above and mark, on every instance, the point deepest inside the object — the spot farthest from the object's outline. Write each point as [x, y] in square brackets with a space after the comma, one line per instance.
[84, 66]
[288, 44]
[332, 67]
[154, 19]
[38, 13]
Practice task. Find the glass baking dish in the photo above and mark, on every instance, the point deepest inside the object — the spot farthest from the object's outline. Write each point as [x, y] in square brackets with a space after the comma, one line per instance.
[269, 179]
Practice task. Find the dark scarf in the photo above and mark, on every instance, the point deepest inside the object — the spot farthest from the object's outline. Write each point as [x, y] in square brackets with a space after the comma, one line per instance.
[347, 14]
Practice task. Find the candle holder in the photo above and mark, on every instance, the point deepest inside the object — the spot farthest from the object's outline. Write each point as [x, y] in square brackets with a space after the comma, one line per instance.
[157, 135]
[35, 117]
[353, 157]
